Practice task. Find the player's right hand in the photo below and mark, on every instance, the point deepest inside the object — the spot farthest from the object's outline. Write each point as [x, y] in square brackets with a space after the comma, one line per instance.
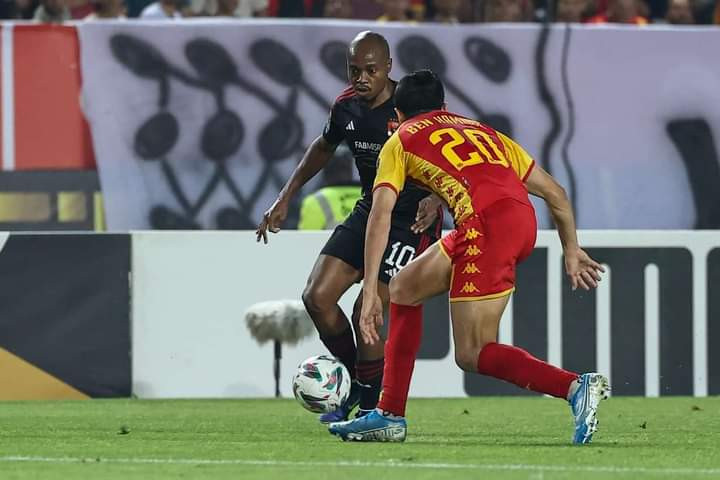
[582, 270]
[371, 317]
[272, 219]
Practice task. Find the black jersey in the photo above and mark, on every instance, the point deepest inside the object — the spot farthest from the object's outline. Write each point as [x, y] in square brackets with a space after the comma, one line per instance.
[365, 131]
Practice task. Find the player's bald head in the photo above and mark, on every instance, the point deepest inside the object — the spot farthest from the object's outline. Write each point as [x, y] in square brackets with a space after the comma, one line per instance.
[368, 41]
[369, 64]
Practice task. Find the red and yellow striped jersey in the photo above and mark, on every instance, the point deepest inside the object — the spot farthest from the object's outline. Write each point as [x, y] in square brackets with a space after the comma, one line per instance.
[466, 163]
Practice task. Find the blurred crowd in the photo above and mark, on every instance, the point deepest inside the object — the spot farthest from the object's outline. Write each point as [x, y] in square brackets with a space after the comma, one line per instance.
[635, 12]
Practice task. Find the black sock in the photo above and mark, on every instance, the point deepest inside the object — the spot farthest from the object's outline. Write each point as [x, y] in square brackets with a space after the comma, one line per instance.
[342, 346]
[369, 376]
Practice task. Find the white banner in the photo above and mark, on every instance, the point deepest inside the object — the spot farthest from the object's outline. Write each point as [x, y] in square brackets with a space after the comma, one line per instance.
[190, 291]
[200, 123]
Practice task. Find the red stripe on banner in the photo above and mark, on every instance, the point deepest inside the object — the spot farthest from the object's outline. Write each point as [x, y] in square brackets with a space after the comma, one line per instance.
[50, 130]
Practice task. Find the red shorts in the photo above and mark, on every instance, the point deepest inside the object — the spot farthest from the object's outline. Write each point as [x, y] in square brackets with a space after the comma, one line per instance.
[485, 248]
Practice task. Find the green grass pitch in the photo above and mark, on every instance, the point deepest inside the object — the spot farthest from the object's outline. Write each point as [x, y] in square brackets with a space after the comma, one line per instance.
[517, 438]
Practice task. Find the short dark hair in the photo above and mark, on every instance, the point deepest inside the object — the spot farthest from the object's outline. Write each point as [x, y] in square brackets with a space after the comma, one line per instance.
[372, 37]
[419, 92]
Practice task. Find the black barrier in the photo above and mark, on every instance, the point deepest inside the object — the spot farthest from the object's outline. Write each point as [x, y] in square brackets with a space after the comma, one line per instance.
[65, 308]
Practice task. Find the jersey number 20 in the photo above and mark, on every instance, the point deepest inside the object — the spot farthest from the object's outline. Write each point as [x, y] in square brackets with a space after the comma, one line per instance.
[481, 140]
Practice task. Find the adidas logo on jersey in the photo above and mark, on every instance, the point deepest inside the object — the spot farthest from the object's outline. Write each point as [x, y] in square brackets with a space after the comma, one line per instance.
[350, 126]
[391, 272]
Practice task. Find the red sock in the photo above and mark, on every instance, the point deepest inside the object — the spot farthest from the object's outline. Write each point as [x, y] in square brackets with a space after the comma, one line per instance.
[401, 348]
[517, 366]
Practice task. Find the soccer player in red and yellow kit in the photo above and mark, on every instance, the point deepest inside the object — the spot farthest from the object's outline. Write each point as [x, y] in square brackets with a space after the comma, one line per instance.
[484, 177]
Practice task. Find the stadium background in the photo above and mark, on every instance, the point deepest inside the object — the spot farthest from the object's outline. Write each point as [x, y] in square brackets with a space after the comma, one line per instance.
[626, 117]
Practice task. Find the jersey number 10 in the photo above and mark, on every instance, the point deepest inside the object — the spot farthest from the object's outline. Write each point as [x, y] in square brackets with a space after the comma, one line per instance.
[481, 140]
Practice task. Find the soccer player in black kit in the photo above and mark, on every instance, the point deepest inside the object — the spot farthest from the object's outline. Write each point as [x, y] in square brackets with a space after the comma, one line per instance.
[363, 116]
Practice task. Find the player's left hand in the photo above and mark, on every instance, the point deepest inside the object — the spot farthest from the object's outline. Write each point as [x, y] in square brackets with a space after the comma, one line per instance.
[427, 212]
[583, 271]
[371, 317]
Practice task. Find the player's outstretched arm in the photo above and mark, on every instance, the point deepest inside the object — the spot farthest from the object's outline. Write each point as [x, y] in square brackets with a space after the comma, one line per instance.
[376, 238]
[316, 157]
[582, 270]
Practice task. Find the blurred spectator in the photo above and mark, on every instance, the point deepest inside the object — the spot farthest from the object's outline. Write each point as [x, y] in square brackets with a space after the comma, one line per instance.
[622, 11]
[226, 8]
[680, 13]
[507, 11]
[706, 12]
[418, 10]
[251, 8]
[470, 11]
[26, 8]
[572, 11]
[80, 9]
[445, 11]
[18, 9]
[52, 11]
[106, 9]
[395, 11]
[162, 10]
[365, 9]
[295, 8]
[338, 9]
[331, 205]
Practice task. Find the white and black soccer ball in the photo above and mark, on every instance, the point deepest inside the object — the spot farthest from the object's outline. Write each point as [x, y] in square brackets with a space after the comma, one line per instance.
[321, 384]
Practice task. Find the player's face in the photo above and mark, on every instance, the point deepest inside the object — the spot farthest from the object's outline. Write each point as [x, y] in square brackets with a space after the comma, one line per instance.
[368, 69]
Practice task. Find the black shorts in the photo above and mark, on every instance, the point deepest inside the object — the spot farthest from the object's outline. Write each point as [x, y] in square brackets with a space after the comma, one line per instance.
[347, 243]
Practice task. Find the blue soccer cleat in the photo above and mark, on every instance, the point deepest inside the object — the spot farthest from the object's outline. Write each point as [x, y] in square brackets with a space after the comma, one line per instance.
[593, 387]
[343, 413]
[373, 427]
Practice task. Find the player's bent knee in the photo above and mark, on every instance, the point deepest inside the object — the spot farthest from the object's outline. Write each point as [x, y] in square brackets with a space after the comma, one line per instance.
[316, 300]
[400, 293]
[467, 359]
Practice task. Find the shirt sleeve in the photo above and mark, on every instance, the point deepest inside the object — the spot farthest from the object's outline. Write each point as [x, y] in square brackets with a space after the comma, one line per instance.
[334, 131]
[391, 171]
[520, 161]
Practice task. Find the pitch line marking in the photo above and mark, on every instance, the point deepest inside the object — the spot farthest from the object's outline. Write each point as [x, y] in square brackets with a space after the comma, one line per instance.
[386, 464]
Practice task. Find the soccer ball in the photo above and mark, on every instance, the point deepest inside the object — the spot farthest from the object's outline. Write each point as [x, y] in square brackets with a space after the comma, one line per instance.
[321, 384]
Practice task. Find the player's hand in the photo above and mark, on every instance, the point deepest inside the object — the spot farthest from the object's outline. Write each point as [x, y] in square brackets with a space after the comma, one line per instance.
[371, 317]
[426, 214]
[272, 219]
[583, 271]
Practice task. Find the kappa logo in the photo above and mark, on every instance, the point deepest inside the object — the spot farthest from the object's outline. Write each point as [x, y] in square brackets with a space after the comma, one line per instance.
[350, 126]
[470, 268]
[472, 250]
[472, 234]
[469, 287]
